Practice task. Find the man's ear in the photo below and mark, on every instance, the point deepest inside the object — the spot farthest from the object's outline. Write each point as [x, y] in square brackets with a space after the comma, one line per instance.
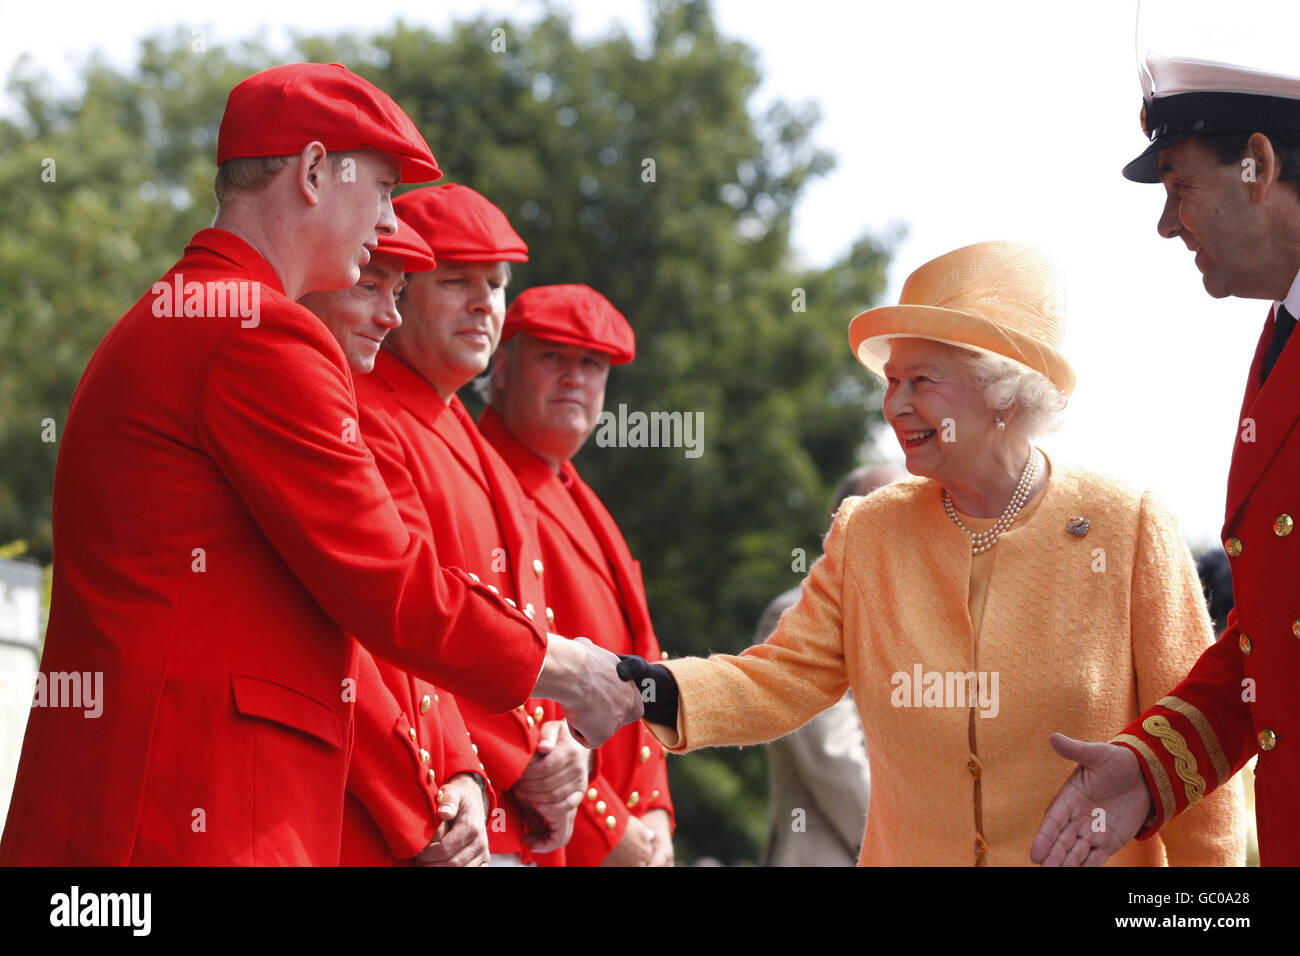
[312, 162]
[1261, 167]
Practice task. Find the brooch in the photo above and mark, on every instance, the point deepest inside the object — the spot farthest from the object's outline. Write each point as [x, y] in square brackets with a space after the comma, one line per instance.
[1078, 526]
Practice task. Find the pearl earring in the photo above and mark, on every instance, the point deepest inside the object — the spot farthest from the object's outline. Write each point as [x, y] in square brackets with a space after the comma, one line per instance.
[1000, 425]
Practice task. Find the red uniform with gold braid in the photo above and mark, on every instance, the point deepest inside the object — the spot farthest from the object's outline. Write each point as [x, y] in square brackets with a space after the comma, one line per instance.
[447, 483]
[1240, 698]
[594, 588]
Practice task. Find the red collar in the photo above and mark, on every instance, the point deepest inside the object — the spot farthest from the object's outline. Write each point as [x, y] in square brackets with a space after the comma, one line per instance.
[243, 257]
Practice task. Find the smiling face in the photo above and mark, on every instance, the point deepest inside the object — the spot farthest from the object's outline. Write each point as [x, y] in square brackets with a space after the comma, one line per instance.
[453, 318]
[942, 422]
[360, 317]
[550, 395]
[1208, 205]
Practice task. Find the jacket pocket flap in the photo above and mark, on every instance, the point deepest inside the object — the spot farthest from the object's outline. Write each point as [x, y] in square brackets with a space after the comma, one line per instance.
[259, 697]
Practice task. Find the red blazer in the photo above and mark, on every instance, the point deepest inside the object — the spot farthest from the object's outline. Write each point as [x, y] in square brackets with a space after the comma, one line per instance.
[449, 484]
[1240, 698]
[424, 745]
[219, 528]
[595, 590]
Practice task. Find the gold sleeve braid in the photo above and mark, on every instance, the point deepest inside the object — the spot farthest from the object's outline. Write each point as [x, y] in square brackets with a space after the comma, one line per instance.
[1184, 762]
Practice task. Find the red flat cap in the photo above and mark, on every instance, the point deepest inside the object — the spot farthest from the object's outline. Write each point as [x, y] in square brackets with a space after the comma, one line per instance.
[573, 315]
[461, 224]
[407, 245]
[279, 111]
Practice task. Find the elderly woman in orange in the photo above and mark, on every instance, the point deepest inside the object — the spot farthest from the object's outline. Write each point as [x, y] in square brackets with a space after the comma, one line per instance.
[996, 596]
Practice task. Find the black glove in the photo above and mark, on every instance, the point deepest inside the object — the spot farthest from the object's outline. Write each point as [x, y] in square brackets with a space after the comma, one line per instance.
[657, 686]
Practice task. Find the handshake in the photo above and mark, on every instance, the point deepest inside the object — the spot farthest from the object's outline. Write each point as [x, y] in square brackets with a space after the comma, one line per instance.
[601, 692]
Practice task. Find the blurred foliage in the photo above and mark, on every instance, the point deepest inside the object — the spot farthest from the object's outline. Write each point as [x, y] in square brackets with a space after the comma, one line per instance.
[556, 130]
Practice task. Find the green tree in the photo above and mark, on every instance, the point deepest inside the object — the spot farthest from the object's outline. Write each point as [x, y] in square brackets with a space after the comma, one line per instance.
[641, 172]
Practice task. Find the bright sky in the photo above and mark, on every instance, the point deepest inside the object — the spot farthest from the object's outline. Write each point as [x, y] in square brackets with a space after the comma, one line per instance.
[1003, 119]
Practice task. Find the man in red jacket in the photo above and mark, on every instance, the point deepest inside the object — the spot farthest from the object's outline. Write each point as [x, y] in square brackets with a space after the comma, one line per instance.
[220, 528]
[448, 483]
[547, 391]
[1230, 165]
[427, 745]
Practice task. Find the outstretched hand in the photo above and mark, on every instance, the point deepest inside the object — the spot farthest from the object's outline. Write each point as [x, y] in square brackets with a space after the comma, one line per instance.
[584, 680]
[1100, 808]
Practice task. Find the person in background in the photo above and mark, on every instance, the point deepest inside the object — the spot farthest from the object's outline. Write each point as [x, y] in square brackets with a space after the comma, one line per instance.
[546, 393]
[417, 792]
[818, 776]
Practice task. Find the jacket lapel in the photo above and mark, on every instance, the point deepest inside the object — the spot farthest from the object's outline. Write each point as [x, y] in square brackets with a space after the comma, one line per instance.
[1272, 410]
[422, 402]
[544, 487]
[619, 558]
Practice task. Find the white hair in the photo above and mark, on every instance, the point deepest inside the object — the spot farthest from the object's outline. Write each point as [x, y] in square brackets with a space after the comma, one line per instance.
[1040, 405]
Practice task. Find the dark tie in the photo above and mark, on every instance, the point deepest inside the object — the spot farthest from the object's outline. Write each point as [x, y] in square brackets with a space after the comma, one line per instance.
[1283, 324]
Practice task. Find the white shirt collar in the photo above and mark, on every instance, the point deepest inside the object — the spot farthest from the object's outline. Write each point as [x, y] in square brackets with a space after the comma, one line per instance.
[1292, 300]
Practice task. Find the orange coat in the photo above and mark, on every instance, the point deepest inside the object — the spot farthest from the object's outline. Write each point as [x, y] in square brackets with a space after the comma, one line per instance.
[1080, 633]
[219, 529]
[594, 589]
[1240, 698]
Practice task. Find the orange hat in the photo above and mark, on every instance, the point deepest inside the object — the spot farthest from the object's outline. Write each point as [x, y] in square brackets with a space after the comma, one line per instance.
[407, 245]
[461, 224]
[279, 111]
[1001, 298]
[574, 315]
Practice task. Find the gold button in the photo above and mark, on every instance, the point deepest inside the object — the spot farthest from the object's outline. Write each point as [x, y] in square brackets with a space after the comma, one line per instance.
[429, 776]
[441, 796]
[600, 806]
[1244, 643]
[610, 823]
[973, 768]
[980, 848]
[1267, 739]
[537, 567]
[1295, 627]
[425, 704]
[1283, 525]
[474, 747]
[511, 603]
[473, 577]
[531, 722]
[645, 754]
[412, 733]
[538, 714]
[424, 755]
[591, 794]
[550, 617]
[633, 799]
[663, 655]
[654, 795]
[1233, 547]
[528, 611]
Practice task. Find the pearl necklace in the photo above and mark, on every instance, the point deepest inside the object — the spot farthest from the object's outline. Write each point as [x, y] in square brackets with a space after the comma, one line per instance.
[979, 543]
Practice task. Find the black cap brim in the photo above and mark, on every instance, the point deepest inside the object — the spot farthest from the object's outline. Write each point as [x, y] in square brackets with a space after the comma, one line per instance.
[1145, 168]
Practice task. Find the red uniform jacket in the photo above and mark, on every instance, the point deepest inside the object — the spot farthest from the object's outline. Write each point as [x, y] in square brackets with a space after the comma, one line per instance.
[595, 590]
[1241, 698]
[219, 528]
[423, 745]
[449, 483]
